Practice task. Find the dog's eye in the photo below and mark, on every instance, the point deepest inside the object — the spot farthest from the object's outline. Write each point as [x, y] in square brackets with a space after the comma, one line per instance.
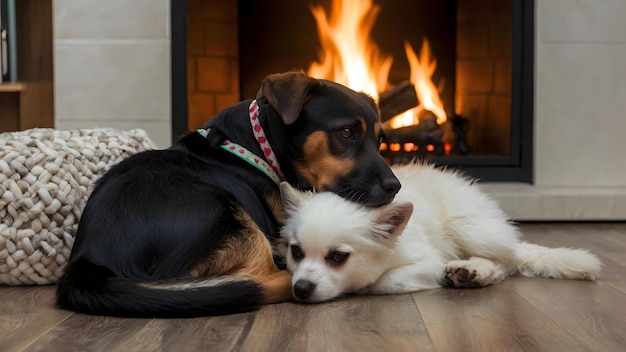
[347, 133]
[296, 252]
[337, 258]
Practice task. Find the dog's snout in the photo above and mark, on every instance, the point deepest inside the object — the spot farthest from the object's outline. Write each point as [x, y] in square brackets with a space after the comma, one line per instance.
[303, 289]
[391, 185]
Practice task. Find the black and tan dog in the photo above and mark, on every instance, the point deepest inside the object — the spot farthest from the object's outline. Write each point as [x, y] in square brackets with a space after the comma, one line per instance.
[188, 231]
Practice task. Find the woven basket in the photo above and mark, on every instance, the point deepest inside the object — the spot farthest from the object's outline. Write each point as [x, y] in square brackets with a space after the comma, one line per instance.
[46, 176]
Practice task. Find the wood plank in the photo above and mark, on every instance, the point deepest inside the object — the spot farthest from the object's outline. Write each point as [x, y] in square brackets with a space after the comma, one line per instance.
[210, 333]
[89, 333]
[529, 314]
[492, 318]
[27, 313]
[37, 105]
[9, 112]
[84, 332]
[593, 313]
[356, 323]
[11, 87]
[34, 40]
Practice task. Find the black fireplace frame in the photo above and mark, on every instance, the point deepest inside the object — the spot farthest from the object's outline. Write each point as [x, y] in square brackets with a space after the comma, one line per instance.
[516, 167]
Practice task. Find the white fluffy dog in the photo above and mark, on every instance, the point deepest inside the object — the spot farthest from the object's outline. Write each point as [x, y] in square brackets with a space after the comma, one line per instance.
[456, 236]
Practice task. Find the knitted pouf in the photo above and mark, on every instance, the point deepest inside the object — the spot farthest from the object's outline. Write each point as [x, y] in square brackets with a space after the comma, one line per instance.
[45, 178]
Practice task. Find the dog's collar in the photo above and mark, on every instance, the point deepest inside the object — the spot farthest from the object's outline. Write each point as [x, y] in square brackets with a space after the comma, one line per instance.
[248, 156]
[260, 137]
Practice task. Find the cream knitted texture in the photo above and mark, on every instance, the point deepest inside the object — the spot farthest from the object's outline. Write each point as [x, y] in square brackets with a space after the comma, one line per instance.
[46, 176]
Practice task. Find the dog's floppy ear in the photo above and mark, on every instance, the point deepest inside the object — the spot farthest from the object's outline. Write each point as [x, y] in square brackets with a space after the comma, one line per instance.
[291, 197]
[287, 93]
[392, 220]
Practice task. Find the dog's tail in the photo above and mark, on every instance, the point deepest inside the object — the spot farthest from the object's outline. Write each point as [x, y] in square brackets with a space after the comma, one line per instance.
[93, 289]
[557, 263]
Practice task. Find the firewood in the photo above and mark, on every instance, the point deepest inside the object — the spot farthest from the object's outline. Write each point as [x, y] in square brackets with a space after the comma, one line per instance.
[397, 100]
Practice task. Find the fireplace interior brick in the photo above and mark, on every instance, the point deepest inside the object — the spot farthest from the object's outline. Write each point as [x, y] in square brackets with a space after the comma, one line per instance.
[212, 58]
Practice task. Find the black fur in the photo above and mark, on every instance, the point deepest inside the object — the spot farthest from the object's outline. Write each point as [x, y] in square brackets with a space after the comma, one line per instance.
[155, 215]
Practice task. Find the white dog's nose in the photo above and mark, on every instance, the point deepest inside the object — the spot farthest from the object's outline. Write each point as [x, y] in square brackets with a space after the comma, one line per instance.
[303, 289]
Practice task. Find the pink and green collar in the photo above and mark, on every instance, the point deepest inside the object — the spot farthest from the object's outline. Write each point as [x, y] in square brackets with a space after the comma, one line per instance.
[271, 168]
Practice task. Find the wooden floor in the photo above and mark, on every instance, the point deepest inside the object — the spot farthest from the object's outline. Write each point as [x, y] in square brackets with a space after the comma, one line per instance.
[520, 314]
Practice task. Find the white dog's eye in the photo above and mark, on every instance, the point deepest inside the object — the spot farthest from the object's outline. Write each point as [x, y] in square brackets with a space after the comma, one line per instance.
[337, 258]
[296, 252]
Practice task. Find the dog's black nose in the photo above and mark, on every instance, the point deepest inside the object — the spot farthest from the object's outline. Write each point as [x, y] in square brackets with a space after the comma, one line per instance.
[391, 185]
[303, 289]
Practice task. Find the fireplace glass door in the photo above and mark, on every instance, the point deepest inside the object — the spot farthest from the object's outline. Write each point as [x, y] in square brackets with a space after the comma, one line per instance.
[453, 78]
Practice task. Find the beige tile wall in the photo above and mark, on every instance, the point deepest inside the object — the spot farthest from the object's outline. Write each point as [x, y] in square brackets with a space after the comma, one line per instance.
[112, 65]
[580, 93]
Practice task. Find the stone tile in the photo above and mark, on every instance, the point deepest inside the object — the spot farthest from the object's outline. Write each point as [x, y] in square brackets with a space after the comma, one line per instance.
[222, 101]
[580, 107]
[192, 75]
[223, 10]
[498, 127]
[220, 39]
[195, 36]
[112, 80]
[474, 108]
[201, 109]
[195, 8]
[500, 40]
[472, 41]
[473, 11]
[214, 75]
[160, 132]
[524, 202]
[581, 21]
[499, 113]
[582, 78]
[502, 77]
[474, 76]
[111, 19]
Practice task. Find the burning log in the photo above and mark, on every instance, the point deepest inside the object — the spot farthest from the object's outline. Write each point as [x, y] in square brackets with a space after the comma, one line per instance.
[397, 100]
[403, 144]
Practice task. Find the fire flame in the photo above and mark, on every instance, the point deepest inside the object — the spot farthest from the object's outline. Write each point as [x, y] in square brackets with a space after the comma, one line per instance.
[349, 57]
[422, 68]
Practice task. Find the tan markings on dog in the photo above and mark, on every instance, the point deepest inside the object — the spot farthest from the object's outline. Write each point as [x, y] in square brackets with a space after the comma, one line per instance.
[248, 254]
[273, 201]
[319, 166]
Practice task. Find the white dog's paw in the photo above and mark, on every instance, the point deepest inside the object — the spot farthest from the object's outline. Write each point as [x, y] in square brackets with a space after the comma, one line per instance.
[476, 272]
[460, 276]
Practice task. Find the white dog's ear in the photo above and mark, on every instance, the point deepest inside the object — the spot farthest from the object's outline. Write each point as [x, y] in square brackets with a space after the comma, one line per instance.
[291, 197]
[392, 220]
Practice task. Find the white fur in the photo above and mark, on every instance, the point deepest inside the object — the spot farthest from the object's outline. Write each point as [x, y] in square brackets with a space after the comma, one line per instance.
[456, 236]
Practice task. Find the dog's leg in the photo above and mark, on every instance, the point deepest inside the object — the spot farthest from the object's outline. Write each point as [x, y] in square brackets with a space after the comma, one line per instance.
[249, 254]
[259, 265]
[408, 278]
[474, 272]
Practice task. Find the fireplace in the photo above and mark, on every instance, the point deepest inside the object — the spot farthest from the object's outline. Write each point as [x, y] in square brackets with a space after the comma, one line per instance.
[482, 50]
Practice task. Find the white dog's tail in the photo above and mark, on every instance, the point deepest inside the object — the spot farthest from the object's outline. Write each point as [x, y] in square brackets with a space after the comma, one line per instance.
[557, 263]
